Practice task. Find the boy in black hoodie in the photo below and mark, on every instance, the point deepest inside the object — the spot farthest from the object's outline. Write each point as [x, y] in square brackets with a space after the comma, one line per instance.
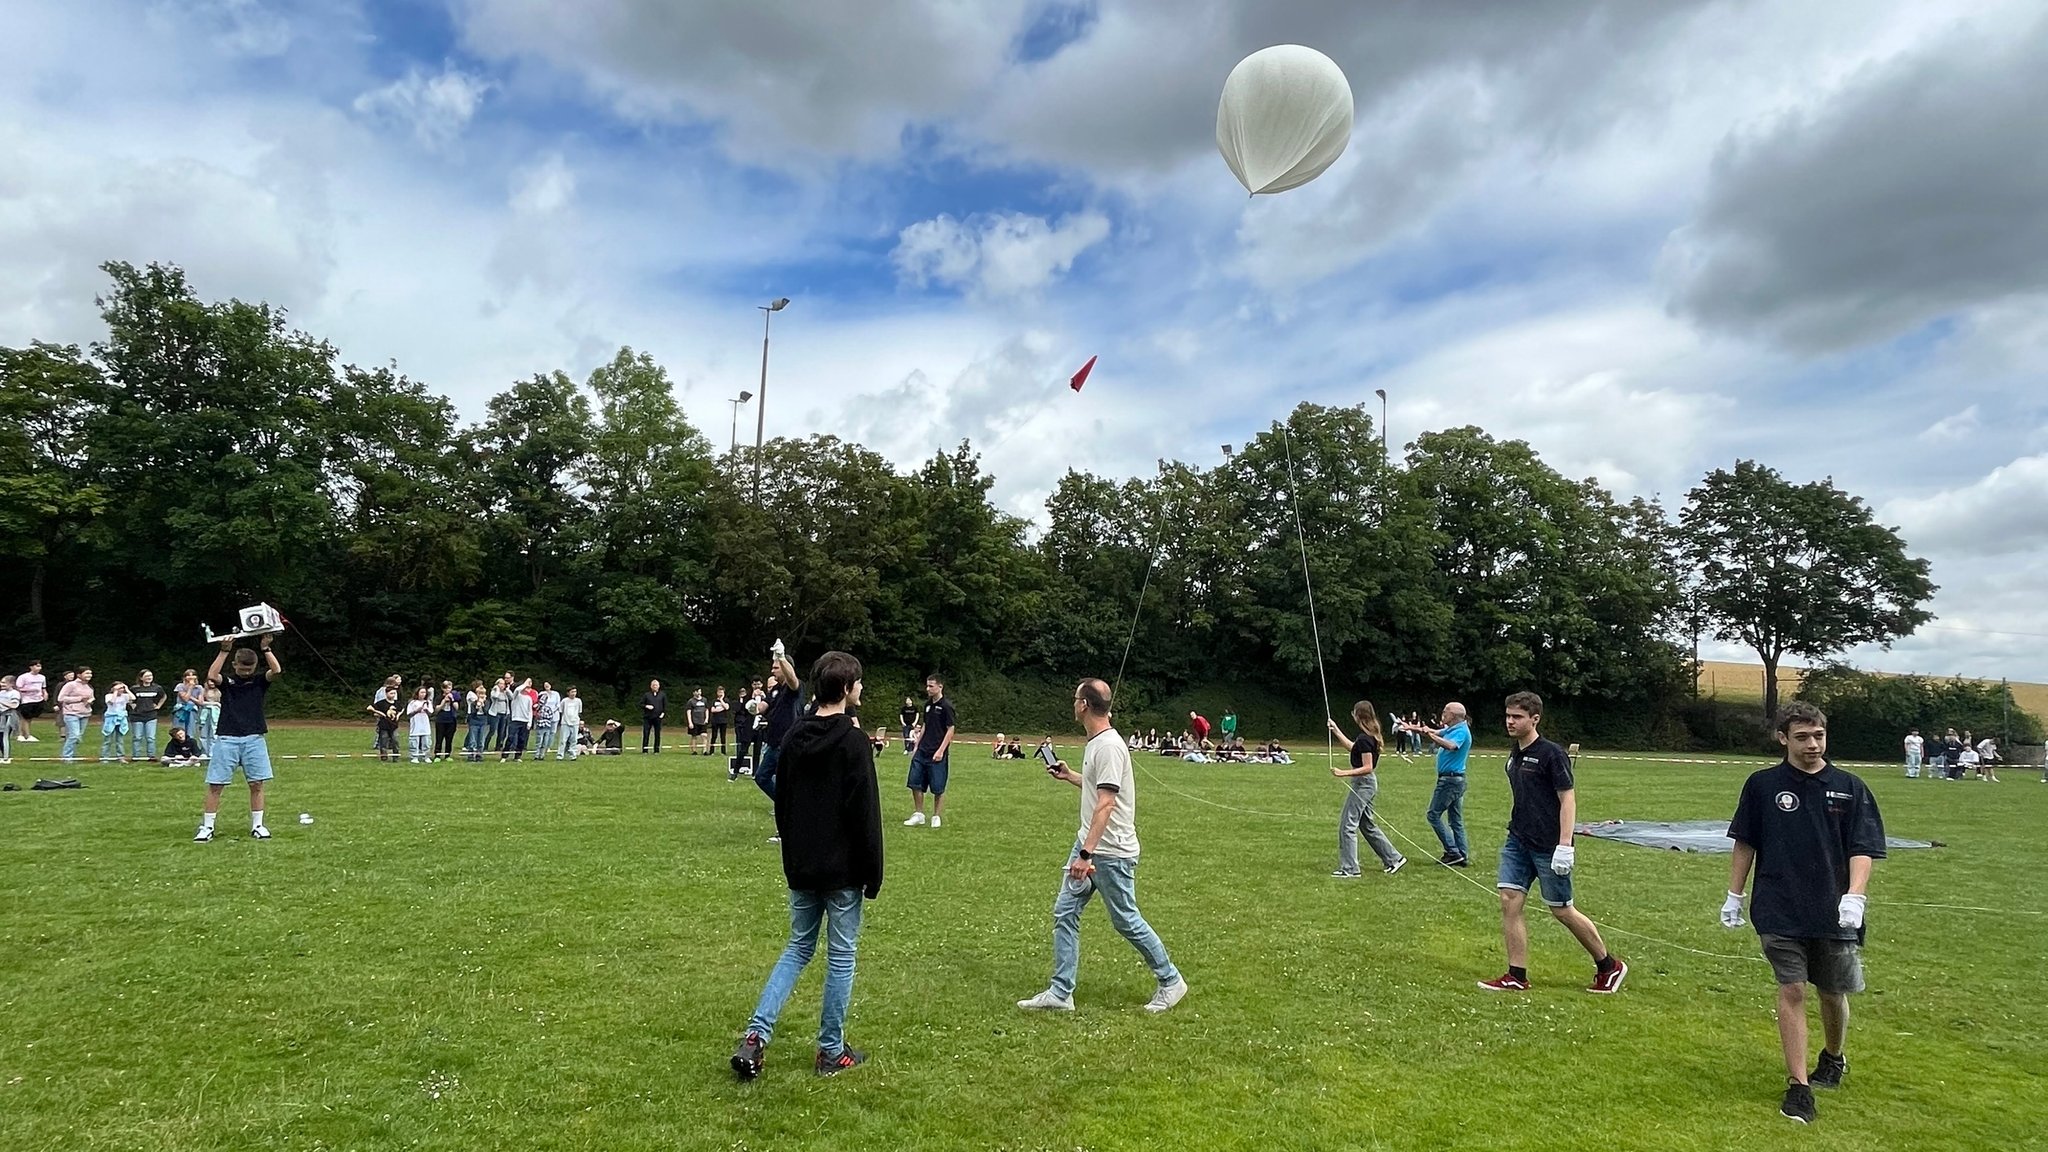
[829, 813]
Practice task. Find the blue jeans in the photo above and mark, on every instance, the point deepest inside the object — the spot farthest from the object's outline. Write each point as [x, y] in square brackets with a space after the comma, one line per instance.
[544, 739]
[209, 719]
[840, 913]
[1117, 880]
[478, 736]
[1520, 868]
[498, 721]
[74, 731]
[183, 715]
[142, 739]
[764, 770]
[1449, 800]
[114, 738]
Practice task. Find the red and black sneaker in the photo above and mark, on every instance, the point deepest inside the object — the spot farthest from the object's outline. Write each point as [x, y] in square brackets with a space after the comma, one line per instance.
[834, 1065]
[746, 1059]
[1610, 981]
[1505, 982]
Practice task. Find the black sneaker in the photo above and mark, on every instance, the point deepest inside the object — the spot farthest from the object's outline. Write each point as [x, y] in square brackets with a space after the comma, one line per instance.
[1829, 1072]
[834, 1065]
[1459, 861]
[1798, 1103]
[746, 1059]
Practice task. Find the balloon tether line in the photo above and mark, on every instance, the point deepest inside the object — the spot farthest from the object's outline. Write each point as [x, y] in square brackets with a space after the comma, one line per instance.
[1301, 538]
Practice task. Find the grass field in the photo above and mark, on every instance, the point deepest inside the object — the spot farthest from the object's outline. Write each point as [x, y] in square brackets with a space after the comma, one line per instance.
[476, 956]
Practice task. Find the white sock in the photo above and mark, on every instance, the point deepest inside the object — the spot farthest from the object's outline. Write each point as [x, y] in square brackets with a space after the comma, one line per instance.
[255, 819]
[206, 820]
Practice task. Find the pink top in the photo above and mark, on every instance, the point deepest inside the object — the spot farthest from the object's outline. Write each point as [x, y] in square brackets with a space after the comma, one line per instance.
[34, 687]
[75, 698]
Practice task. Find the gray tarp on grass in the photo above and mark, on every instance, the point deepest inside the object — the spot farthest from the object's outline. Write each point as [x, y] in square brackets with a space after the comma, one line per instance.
[1689, 835]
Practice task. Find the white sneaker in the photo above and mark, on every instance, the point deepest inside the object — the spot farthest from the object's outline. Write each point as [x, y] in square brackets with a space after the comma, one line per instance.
[935, 821]
[1047, 1001]
[205, 834]
[30, 739]
[1167, 996]
[775, 839]
[916, 818]
[259, 832]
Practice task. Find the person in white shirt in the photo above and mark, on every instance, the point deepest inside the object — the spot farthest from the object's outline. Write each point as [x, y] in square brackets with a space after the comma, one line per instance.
[1105, 859]
[419, 724]
[1987, 759]
[570, 723]
[10, 717]
[1915, 746]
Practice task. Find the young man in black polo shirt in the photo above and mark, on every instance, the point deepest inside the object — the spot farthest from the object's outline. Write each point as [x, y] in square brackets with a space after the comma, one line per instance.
[929, 764]
[1811, 831]
[1539, 847]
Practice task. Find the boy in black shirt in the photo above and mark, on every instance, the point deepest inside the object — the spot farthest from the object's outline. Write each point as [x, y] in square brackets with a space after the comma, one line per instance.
[1811, 831]
[1539, 847]
[240, 741]
[827, 800]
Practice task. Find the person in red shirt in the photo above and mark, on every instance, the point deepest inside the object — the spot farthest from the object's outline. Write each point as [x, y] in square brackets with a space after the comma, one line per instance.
[1198, 725]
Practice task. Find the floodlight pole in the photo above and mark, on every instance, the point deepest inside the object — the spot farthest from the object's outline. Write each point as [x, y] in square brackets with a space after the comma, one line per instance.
[768, 312]
[742, 398]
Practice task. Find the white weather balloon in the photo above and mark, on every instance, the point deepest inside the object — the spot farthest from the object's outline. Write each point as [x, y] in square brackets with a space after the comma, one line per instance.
[1285, 116]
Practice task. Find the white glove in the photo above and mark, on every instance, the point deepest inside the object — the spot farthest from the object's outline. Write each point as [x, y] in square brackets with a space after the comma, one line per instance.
[1561, 859]
[1731, 911]
[777, 651]
[1850, 913]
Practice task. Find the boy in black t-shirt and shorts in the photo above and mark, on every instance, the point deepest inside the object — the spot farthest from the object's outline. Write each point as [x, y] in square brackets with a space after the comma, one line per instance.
[240, 740]
[1811, 831]
[1539, 848]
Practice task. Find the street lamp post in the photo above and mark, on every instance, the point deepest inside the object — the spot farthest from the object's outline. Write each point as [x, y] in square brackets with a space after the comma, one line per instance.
[768, 312]
[1382, 394]
[743, 397]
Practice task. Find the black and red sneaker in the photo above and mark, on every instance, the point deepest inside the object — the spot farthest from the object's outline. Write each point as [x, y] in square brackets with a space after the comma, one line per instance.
[1505, 982]
[1609, 982]
[746, 1059]
[834, 1065]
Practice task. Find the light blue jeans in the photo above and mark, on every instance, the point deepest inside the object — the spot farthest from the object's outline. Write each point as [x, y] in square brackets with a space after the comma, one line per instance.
[479, 736]
[1117, 880]
[840, 913]
[114, 737]
[209, 719]
[1449, 801]
[544, 739]
[74, 731]
[142, 739]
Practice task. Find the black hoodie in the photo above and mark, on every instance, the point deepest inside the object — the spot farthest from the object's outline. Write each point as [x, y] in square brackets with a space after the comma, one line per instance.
[828, 808]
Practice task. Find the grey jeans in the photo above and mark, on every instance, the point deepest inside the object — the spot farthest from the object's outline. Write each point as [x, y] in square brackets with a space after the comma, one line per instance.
[1357, 818]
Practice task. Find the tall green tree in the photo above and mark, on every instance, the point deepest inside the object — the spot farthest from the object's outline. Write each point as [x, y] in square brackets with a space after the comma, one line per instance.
[49, 496]
[1798, 569]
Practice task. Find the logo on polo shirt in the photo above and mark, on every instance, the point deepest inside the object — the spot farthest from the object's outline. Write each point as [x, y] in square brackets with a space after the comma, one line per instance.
[1788, 802]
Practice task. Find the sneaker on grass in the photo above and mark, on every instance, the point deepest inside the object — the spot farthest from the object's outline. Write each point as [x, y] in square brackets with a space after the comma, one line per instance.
[1341, 874]
[1609, 982]
[259, 832]
[916, 818]
[1829, 1072]
[1798, 1103]
[935, 821]
[205, 834]
[1396, 866]
[834, 1065]
[746, 1059]
[1167, 996]
[1505, 982]
[1047, 1001]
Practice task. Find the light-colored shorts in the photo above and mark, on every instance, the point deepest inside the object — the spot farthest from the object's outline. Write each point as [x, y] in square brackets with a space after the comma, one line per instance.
[251, 754]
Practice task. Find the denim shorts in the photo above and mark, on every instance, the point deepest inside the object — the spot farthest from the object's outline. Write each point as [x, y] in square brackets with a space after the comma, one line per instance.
[1833, 966]
[928, 775]
[1519, 866]
[249, 753]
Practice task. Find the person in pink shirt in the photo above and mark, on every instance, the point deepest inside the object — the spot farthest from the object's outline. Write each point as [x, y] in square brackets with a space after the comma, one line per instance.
[35, 696]
[74, 705]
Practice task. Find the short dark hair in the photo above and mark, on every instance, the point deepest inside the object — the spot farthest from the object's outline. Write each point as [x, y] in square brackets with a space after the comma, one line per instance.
[1094, 695]
[832, 675]
[1800, 712]
[935, 678]
[1528, 702]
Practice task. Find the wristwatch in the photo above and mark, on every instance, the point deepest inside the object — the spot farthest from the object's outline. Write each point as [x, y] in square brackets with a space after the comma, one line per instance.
[1085, 854]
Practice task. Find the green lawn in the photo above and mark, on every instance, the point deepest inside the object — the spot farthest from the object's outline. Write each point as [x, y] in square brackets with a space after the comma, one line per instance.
[533, 957]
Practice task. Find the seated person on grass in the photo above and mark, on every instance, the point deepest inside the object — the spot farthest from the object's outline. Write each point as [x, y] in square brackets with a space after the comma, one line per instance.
[182, 751]
[614, 739]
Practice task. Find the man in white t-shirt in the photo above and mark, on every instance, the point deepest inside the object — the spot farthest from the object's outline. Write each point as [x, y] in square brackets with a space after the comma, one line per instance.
[1915, 746]
[1104, 859]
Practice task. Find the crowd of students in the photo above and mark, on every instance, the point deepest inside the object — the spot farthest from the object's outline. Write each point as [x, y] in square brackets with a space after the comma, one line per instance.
[130, 715]
[1953, 757]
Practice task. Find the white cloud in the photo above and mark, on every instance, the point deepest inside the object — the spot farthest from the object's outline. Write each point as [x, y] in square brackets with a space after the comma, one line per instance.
[1953, 429]
[2004, 513]
[437, 107]
[999, 257]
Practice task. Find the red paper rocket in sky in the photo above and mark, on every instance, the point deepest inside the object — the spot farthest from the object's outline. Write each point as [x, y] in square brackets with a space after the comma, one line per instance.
[1081, 377]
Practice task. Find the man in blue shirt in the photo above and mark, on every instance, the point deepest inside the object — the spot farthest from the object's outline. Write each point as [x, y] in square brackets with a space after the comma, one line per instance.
[1447, 806]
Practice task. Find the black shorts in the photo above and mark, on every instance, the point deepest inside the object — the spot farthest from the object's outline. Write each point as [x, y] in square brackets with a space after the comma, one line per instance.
[32, 711]
[1834, 966]
[696, 729]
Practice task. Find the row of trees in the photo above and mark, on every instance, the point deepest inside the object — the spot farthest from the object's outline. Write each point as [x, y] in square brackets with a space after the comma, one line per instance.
[205, 455]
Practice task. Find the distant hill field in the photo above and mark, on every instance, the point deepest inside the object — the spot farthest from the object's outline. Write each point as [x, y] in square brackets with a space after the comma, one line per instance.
[1732, 681]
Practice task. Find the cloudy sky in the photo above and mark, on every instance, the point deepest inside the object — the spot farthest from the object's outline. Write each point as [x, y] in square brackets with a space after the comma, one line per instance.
[1650, 237]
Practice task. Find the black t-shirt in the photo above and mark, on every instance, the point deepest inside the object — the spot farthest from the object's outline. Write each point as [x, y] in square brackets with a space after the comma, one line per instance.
[1363, 747]
[1804, 829]
[148, 698]
[908, 715]
[781, 713]
[1538, 775]
[448, 711]
[182, 746]
[700, 711]
[241, 704]
[938, 717]
[653, 705]
[386, 708]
